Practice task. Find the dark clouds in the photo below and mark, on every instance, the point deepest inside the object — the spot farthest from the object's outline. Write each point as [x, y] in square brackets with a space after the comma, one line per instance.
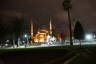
[42, 10]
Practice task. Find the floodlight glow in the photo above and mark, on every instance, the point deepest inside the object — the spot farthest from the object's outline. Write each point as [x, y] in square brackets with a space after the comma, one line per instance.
[48, 37]
[6, 44]
[36, 40]
[88, 37]
[53, 39]
[41, 40]
[25, 36]
[7, 40]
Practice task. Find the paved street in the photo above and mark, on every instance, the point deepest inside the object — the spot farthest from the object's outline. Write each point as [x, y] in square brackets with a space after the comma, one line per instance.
[32, 56]
[49, 56]
[87, 56]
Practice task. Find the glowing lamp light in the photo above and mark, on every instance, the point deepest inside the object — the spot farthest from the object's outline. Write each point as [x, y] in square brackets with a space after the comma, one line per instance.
[23, 41]
[53, 38]
[36, 40]
[88, 36]
[25, 35]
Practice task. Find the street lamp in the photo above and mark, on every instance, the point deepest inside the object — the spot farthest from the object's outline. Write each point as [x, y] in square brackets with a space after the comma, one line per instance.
[26, 37]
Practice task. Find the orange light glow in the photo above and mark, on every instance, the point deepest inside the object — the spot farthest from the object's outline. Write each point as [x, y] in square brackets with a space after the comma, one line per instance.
[41, 36]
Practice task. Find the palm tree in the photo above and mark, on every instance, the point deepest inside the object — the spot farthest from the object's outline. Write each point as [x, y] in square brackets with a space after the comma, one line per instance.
[67, 7]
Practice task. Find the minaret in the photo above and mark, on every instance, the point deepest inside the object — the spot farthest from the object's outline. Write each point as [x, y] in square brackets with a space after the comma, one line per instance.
[31, 29]
[50, 26]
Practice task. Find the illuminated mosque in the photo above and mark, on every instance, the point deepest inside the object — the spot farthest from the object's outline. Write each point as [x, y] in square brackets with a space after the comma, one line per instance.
[43, 34]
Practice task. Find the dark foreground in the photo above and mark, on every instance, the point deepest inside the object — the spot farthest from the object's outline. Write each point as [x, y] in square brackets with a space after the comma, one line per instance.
[87, 56]
[33, 56]
[58, 55]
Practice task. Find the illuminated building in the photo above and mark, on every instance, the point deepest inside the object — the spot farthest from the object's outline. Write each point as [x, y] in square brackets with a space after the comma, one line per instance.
[41, 35]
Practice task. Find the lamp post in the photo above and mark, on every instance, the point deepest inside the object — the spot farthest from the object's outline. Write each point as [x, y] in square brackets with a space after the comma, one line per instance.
[26, 40]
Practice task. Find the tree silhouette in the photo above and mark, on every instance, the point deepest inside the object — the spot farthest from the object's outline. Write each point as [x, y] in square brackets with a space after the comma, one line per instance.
[67, 7]
[19, 28]
[63, 36]
[6, 31]
[2, 31]
[78, 31]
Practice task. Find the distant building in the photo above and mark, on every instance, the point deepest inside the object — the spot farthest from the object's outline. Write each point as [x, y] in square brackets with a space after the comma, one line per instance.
[42, 33]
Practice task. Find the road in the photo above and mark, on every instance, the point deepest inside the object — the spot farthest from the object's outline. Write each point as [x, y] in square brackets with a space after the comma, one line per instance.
[87, 56]
[32, 56]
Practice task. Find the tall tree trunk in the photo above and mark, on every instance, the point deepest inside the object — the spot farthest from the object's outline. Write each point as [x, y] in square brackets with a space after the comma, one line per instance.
[13, 43]
[80, 43]
[16, 40]
[70, 29]
[80, 49]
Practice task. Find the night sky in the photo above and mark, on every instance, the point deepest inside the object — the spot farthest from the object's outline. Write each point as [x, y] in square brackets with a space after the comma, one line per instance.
[41, 10]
